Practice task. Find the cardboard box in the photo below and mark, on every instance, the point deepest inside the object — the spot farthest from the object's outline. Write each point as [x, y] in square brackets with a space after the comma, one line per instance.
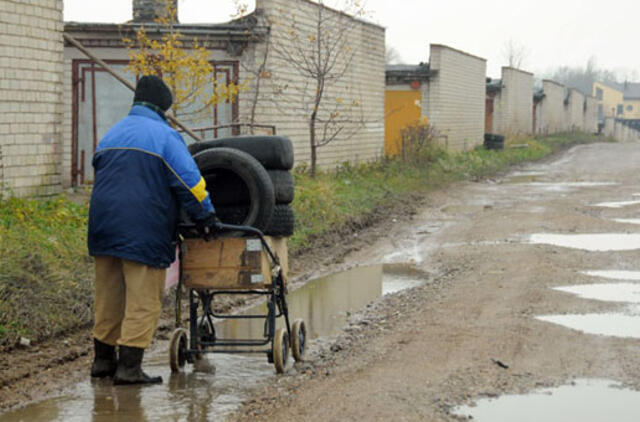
[232, 263]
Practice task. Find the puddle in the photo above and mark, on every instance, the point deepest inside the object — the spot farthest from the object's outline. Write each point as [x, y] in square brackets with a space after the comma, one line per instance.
[590, 242]
[572, 184]
[620, 204]
[536, 180]
[615, 274]
[627, 220]
[608, 324]
[609, 292]
[583, 400]
[324, 304]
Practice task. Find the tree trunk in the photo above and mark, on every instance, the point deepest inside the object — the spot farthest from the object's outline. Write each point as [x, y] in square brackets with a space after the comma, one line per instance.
[254, 104]
[312, 139]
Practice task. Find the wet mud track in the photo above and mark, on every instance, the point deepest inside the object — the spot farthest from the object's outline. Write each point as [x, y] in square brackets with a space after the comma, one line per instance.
[480, 329]
[502, 265]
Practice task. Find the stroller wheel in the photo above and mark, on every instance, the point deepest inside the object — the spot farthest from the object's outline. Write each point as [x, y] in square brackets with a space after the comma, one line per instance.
[298, 339]
[280, 350]
[178, 349]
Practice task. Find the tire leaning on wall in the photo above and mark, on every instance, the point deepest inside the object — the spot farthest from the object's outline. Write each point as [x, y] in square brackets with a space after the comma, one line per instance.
[222, 167]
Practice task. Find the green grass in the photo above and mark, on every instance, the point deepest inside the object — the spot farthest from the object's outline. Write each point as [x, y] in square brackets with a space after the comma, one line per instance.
[45, 285]
[46, 275]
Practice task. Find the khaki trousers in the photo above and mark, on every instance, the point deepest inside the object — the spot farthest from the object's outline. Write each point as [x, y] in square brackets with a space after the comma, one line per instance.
[128, 301]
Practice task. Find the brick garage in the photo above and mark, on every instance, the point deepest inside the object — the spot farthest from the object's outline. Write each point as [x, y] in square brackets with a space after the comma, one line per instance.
[454, 98]
[237, 48]
[31, 52]
[513, 103]
[551, 114]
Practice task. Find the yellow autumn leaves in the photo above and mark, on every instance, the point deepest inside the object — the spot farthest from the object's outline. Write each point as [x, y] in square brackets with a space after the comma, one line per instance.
[184, 64]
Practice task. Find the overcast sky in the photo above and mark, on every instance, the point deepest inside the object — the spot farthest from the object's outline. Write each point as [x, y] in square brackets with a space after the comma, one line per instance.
[554, 32]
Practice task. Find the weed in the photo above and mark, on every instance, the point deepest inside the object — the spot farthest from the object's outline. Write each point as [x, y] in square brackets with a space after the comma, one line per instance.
[45, 277]
[44, 283]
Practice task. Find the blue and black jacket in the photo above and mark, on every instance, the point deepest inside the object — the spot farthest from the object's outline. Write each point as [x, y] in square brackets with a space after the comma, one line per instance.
[143, 175]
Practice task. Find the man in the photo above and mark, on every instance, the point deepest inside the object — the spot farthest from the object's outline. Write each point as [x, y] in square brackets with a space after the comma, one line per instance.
[143, 175]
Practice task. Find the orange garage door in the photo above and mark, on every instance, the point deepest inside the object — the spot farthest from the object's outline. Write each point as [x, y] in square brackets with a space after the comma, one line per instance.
[402, 108]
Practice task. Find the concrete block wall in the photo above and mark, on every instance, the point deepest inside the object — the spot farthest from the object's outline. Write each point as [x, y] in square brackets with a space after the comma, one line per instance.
[515, 103]
[619, 131]
[454, 98]
[609, 127]
[574, 111]
[538, 119]
[31, 96]
[358, 96]
[551, 108]
[591, 115]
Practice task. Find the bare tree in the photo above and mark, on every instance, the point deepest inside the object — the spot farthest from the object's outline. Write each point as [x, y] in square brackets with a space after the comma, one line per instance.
[514, 53]
[323, 57]
[392, 56]
[582, 77]
[256, 68]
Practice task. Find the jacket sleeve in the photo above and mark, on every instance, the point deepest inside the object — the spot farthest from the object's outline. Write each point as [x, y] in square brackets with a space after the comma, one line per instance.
[185, 179]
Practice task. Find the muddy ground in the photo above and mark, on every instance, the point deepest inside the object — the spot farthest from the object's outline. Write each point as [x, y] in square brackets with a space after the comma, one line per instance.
[469, 331]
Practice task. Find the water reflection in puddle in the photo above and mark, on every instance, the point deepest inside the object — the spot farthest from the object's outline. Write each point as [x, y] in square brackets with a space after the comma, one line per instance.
[324, 303]
[608, 324]
[590, 242]
[182, 397]
[584, 401]
[615, 274]
[620, 204]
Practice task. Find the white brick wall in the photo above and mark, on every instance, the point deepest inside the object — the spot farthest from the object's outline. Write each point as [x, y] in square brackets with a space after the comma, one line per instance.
[364, 83]
[591, 115]
[514, 106]
[574, 117]
[31, 96]
[552, 114]
[454, 99]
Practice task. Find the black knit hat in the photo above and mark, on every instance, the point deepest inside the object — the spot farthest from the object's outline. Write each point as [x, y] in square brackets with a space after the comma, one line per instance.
[152, 89]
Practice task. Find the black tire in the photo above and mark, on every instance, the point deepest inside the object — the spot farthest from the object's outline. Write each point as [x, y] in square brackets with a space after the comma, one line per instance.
[229, 190]
[220, 164]
[273, 152]
[282, 222]
[282, 185]
[232, 214]
[492, 141]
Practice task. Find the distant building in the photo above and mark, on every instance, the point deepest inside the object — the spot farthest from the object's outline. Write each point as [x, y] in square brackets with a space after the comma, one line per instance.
[619, 101]
[448, 93]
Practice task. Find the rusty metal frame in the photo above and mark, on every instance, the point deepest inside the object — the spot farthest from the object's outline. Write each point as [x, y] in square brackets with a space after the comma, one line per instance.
[79, 79]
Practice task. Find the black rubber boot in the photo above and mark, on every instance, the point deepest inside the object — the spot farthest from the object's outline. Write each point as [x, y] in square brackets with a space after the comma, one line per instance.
[105, 360]
[129, 368]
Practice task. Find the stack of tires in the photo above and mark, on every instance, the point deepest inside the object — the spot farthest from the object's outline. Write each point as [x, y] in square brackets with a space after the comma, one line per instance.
[492, 141]
[250, 181]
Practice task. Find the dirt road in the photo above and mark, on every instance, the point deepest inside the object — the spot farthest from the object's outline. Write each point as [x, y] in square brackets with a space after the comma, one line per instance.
[471, 330]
